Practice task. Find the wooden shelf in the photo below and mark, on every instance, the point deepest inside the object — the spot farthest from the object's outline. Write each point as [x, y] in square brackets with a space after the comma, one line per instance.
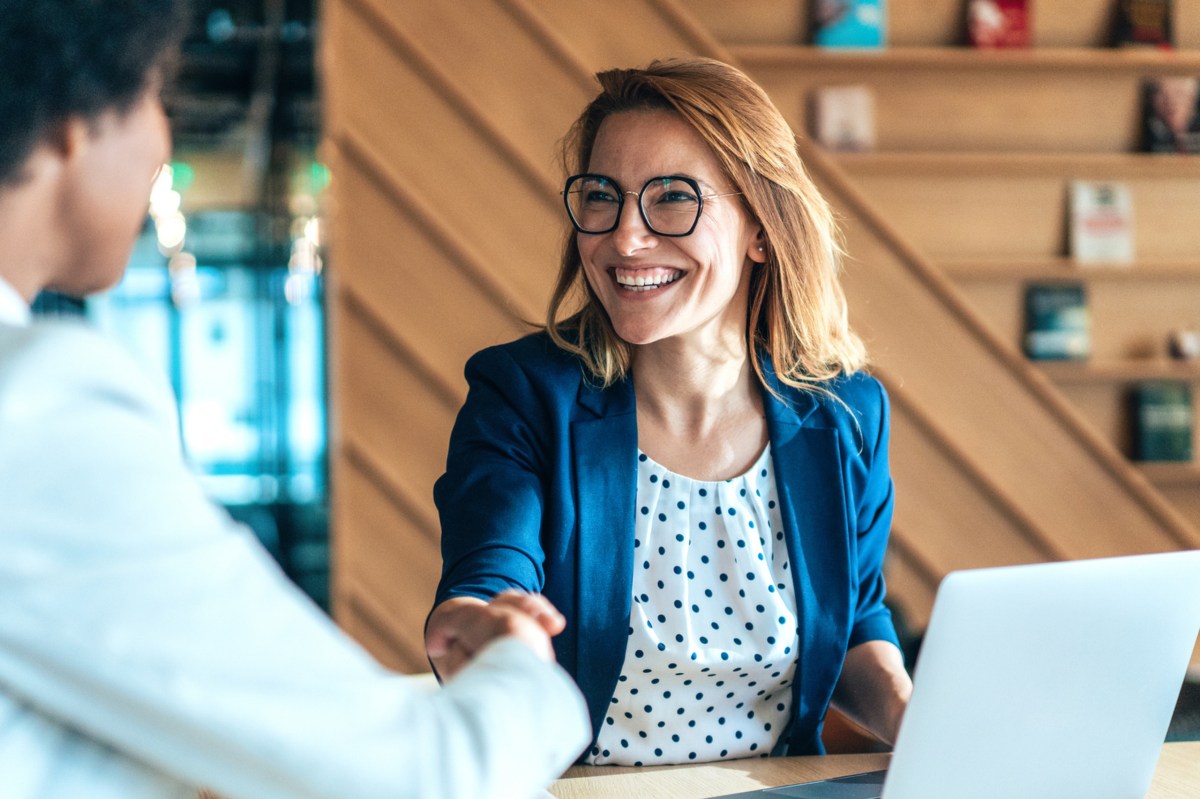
[1109, 371]
[1066, 269]
[1112, 166]
[1170, 474]
[1098, 59]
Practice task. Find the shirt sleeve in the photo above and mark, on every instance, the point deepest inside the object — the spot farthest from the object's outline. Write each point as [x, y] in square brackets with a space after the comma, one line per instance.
[872, 619]
[135, 612]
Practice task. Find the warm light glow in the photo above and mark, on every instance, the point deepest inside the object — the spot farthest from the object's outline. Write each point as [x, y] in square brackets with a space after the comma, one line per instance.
[169, 224]
[312, 231]
[163, 180]
[171, 230]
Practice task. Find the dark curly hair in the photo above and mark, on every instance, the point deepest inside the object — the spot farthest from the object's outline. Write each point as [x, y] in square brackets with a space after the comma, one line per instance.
[65, 58]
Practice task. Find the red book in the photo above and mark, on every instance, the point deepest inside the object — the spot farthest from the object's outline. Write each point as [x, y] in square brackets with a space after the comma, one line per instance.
[999, 23]
[1144, 23]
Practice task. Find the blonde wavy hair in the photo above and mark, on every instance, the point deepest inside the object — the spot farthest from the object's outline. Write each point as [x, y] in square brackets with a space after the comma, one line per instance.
[797, 314]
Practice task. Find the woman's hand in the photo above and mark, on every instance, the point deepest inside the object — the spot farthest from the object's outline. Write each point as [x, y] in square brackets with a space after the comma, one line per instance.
[460, 627]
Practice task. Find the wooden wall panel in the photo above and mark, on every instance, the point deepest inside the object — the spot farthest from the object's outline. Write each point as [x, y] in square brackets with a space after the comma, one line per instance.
[386, 603]
[420, 297]
[1106, 406]
[940, 514]
[625, 33]
[490, 45]
[1187, 499]
[407, 127]
[910, 587]
[391, 414]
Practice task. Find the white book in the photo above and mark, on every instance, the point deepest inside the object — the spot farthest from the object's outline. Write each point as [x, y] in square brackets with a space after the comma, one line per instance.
[1101, 222]
[843, 117]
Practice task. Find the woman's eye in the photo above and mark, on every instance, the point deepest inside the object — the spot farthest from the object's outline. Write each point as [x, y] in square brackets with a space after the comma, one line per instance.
[678, 197]
[598, 197]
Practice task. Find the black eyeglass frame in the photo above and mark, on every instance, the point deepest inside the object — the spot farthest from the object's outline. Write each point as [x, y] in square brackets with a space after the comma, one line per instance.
[700, 197]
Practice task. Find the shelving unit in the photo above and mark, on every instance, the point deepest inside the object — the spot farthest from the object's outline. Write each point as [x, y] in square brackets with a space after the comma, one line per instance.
[1108, 166]
[1007, 269]
[975, 151]
[1170, 475]
[1130, 370]
[959, 58]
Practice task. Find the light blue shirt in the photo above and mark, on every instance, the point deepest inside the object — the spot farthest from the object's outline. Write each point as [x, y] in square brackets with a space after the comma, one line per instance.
[13, 308]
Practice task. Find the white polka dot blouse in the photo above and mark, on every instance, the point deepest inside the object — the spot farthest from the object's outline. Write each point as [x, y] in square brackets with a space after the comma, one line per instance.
[710, 657]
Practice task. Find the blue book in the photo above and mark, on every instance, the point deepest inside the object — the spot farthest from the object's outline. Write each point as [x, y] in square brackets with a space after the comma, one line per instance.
[858, 24]
[1057, 323]
[1162, 422]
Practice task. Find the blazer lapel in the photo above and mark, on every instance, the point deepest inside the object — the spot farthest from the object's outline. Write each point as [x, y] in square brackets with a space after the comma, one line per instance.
[808, 477]
[604, 448]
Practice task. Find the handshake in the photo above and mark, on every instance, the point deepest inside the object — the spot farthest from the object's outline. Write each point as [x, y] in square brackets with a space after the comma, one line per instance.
[462, 626]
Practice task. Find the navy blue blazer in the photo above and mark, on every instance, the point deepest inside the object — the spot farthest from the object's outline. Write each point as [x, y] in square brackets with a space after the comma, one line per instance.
[539, 494]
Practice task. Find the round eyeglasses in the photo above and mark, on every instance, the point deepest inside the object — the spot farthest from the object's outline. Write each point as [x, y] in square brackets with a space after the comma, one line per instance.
[670, 204]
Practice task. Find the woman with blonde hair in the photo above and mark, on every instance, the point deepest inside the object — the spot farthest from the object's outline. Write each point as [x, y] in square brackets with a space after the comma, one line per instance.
[689, 461]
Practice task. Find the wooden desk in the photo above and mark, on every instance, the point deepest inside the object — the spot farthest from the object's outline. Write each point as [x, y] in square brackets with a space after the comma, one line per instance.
[1178, 776]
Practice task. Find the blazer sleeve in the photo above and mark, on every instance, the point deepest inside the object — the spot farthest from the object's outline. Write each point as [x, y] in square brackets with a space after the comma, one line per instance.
[872, 619]
[133, 611]
[491, 498]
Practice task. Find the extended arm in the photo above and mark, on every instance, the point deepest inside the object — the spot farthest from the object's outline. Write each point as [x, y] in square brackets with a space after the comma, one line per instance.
[133, 611]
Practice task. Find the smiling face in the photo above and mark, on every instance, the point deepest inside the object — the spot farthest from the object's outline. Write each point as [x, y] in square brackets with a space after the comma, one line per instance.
[657, 288]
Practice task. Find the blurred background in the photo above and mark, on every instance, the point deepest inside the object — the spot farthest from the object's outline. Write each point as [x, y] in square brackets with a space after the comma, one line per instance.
[224, 292]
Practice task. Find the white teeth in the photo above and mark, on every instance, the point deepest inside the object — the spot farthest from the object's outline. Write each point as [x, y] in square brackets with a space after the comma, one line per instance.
[643, 283]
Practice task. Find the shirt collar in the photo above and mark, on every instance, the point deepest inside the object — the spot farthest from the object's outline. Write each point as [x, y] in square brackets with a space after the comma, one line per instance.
[13, 308]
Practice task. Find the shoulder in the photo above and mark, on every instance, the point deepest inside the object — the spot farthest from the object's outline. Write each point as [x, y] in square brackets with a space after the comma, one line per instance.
[52, 342]
[534, 360]
[858, 395]
[862, 392]
[48, 364]
[854, 405]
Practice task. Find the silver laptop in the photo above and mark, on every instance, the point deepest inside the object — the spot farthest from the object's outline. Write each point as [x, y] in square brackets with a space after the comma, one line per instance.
[1052, 680]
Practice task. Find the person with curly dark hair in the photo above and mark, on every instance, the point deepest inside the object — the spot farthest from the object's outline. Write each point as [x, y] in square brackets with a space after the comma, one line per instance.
[148, 645]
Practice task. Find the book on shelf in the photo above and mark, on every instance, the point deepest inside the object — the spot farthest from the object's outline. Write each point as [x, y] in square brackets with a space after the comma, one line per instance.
[1101, 222]
[1057, 322]
[1171, 114]
[1183, 344]
[1162, 421]
[998, 23]
[1144, 23]
[855, 24]
[843, 117]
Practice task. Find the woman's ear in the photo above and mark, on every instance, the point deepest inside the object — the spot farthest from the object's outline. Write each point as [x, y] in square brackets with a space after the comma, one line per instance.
[758, 248]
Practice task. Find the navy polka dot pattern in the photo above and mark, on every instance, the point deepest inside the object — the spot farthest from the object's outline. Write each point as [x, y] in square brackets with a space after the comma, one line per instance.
[710, 657]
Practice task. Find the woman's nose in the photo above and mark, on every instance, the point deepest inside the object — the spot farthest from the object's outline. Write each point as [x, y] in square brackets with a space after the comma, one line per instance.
[631, 233]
